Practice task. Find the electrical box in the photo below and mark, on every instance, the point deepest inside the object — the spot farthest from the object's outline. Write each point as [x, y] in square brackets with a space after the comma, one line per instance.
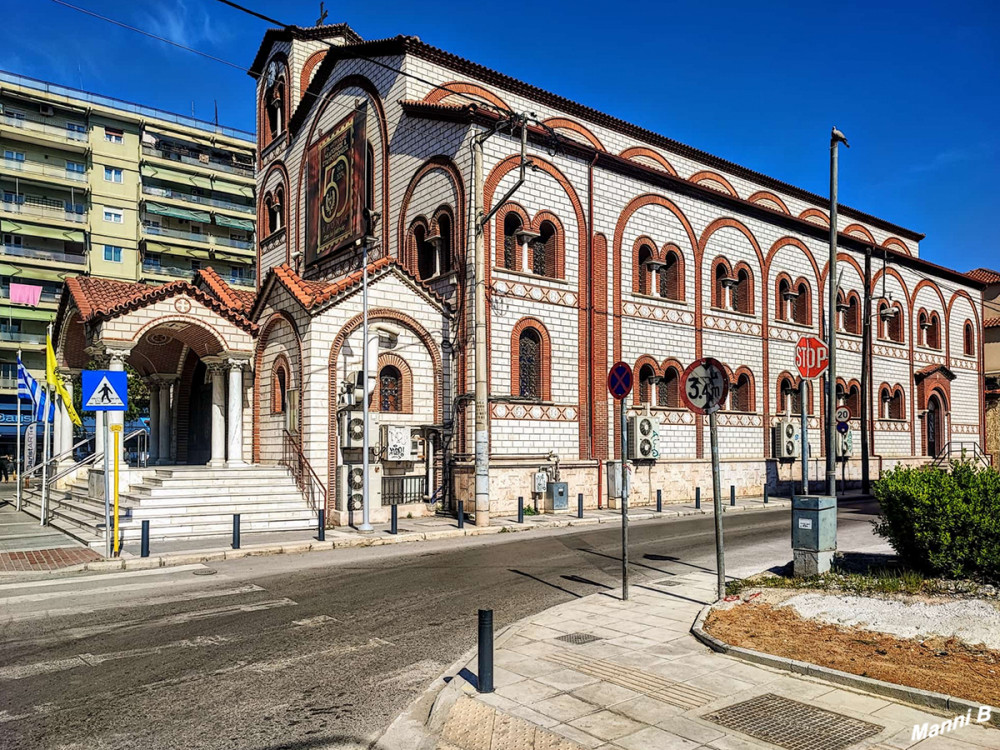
[352, 429]
[787, 439]
[397, 443]
[814, 523]
[557, 496]
[614, 477]
[643, 437]
[845, 444]
[352, 485]
[539, 482]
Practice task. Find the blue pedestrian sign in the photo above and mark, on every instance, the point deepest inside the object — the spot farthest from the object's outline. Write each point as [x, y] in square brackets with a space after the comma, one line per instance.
[105, 390]
[620, 380]
[843, 428]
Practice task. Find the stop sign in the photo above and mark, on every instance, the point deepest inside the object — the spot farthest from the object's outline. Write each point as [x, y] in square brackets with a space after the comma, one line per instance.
[811, 357]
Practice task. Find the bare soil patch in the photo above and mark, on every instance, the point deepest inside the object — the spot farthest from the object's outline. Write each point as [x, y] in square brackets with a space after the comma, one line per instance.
[943, 665]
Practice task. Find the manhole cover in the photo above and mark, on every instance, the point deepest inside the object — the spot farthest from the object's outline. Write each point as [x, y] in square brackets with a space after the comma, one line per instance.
[578, 639]
[205, 572]
[793, 725]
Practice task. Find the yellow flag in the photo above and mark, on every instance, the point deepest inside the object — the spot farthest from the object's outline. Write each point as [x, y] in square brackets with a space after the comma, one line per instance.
[56, 383]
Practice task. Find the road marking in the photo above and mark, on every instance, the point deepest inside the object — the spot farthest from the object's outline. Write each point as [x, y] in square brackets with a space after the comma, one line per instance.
[46, 595]
[99, 577]
[276, 665]
[150, 602]
[312, 622]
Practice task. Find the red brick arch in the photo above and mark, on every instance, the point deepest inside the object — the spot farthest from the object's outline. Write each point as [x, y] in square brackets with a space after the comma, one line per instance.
[563, 123]
[707, 176]
[895, 242]
[310, 65]
[644, 360]
[446, 90]
[546, 356]
[447, 165]
[815, 213]
[763, 197]
[734, 379]
[856, 229]
[262, 340]
[280, 365]
[560, 259]
[499, 220]
[391, 359]
[631, 153]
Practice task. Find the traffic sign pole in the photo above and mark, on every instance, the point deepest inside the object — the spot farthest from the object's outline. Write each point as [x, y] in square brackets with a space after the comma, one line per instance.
[620, 385]
[107, 490]
[805, 436]
[117, 430]
[720, 554]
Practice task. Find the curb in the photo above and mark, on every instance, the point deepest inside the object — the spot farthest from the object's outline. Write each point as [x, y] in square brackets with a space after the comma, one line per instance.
[311, 545]
[915, 696]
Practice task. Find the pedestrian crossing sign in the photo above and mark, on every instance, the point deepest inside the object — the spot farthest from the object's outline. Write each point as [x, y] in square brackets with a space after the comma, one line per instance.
[105, 390]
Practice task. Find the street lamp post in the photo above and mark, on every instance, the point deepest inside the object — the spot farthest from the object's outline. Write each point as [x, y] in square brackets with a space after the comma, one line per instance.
[836, 137]
[370, 219]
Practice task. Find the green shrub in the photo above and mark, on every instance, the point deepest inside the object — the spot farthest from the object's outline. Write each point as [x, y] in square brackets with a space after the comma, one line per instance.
[943, 522]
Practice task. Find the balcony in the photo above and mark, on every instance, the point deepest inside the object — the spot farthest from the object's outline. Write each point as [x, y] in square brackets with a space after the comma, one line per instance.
[37, 253]
[47, 299]
[159, 269]
[36, 169]
[202, 238]
[199, 199]
[204, 161]
[46, 208]
[21, 338]
[238, 244]
[34, 130]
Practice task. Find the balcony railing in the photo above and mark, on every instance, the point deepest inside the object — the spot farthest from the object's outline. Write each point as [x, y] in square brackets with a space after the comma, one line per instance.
[22, 338]
[203, 237]
[48, 170]
[24, 122]
[201, 199]
[45, 296]
[10, 381]
[240, 279]
[43, 209]
[227, 242]
[400, 490]
[28, 251]
[210, 163]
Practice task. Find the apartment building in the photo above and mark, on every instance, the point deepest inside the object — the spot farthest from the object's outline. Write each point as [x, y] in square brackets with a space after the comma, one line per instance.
[96, 185]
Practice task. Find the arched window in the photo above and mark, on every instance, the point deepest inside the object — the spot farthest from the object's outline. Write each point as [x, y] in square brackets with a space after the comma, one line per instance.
[741, 393]
[970, 340]
[529, 361]
[369, 176]
[511, 229]
[671, 284]
[892, 402]
[544, 250]
[390, 383]
[890, 321]
[668, 391]
[933, 339]
[275, 109]
[444, 248]
[790, 396]
[644, 269]
[742, 292]
[279, 387]
[426, 255]
[922, 325]
[646, 376]
[852, 315]
[802, 306]
[720, 280]
[786, 299]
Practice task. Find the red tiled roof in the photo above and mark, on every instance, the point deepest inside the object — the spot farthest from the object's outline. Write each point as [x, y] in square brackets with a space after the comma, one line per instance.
[931, 369]
[310, 294]
[993, 322]
[985, 275]
[98, 298]
[238, 299]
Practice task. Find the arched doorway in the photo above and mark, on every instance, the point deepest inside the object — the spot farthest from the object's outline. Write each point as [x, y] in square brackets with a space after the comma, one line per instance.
[933, 424]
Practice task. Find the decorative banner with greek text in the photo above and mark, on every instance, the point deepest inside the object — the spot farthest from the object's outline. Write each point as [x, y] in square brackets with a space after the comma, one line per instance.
[335, 174]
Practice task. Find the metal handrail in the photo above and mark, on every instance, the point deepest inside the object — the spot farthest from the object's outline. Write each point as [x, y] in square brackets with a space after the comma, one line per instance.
[91, 458]
[306, 479]
[962, 446]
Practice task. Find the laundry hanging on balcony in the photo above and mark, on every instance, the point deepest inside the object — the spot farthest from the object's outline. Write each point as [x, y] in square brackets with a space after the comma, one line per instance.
[25, 294]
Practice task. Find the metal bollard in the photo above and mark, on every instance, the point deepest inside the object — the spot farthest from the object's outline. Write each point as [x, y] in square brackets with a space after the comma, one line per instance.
[461, 514]
[394, 520]
[765, 496]
[144, 544]
[236, 530]
[485, 676]
[536, 504]
[520, 510]
[659, 501]
[321, 525]
[579, 505]
[732, 495]
[697, 498]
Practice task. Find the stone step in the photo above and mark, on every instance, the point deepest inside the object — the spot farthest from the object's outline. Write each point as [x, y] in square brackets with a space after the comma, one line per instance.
[238, 480]
[210, 490]
[204, 472]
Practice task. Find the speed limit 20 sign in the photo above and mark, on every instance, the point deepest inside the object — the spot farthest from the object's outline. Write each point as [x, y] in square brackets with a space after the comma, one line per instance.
[704, 385]
[811, 357]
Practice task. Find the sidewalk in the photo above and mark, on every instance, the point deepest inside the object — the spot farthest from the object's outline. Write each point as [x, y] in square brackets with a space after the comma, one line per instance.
[183, 552]
[597, 672]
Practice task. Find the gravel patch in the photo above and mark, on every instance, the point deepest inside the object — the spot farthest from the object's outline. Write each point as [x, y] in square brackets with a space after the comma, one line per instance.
[971, 621]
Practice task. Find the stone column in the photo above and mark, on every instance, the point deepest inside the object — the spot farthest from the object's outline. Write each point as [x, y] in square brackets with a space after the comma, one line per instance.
[234, 433]
[98, 361]
[99, 432]
[216, 369]
[154, 420]
[163, 426]
[67, 429]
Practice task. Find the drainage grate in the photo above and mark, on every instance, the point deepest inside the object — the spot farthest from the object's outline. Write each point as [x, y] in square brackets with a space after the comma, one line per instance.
[578, 639]
[793, 725]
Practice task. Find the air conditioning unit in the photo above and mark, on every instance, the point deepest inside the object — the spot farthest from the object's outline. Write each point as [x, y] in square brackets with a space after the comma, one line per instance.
[845, 444]
[787, 439]
[643, 437]
[46, 109]
[397, 443]
[352, 432]
[352, 485]
[203, 158]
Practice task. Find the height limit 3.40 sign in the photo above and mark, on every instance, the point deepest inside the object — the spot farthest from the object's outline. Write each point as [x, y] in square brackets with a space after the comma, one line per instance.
[704, 385]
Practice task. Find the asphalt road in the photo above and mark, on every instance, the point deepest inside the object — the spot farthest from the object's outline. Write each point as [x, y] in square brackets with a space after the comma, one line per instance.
[311, 651]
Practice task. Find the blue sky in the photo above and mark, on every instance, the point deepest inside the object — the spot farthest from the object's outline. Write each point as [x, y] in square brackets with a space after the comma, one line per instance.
[914, 85]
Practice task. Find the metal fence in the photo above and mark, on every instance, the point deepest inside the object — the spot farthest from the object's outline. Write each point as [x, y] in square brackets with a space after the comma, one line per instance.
[401, 490]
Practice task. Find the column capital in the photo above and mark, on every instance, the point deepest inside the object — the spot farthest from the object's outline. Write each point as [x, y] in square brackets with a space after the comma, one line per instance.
[215, 364]
[162, 379]
[105, 355]
[238, 362]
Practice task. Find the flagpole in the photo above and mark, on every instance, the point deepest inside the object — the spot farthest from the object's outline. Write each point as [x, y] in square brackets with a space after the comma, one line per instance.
[45, 452]
[17, 460]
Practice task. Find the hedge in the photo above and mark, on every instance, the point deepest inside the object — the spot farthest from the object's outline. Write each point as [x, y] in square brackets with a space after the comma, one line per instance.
[944, 523]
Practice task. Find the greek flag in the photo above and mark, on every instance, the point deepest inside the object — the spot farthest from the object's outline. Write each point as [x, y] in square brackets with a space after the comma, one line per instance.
[28, 387]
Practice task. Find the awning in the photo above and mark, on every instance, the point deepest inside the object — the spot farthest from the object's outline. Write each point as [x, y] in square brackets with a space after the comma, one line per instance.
[17, 312]
[170, 175]
[184, 251]
[178, 213]
[28, 229]
[235, 257]
[228, 221]
[222, 186]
